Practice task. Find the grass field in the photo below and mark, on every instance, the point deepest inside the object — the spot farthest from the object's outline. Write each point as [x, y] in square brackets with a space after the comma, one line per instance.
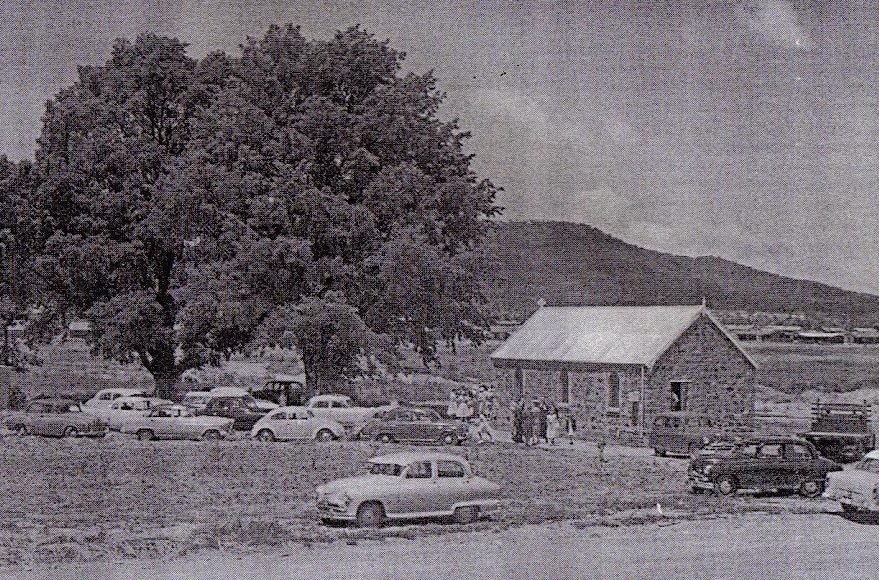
[74, 500]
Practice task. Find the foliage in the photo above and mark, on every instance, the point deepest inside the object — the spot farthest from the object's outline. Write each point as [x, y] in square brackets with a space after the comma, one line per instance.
[186, 204]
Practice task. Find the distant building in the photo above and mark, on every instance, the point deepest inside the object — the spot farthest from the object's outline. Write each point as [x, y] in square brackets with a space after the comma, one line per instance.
[865, 335]
[780, 333]
[81, 329]
[502, 329]
[821, 337]
[746, 332]
[617, 367]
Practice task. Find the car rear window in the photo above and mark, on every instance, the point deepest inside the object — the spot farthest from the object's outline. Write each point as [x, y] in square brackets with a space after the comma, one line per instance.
[449, 469]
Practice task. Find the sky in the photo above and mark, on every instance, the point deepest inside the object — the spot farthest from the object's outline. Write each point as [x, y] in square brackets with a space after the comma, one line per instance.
[744, 130]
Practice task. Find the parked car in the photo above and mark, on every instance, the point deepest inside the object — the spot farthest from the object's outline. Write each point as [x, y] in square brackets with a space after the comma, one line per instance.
[288, 423]
[760, 464]
[681, 433]
[125, 408]
[857, 488]
[55, 417]
[408, 485]
[239, 392]
[242, 410]
[105, 397]
[177, 422]
[341, 408]
[413, 425]
[197, 400]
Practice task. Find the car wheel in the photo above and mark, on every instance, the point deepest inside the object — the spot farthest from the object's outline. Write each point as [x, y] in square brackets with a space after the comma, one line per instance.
[384, 438]
[660, 452]
[811, 488]
[370, 515]
[211, 434]
[466, 514]
[265, 435]
[448, 439]
[71, 432]
[726, 485]
[145, 435]
[325, 435]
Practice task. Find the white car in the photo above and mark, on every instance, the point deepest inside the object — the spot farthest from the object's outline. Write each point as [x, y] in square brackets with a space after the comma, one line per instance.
[856, 488]
[289, 423]
[177, 422]
[342, 409]
[105, 397]
[408, 485]
[124, 408]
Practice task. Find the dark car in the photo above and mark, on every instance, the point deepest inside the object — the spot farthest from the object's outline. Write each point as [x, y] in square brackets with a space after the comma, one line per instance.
[413, 425]
[243, 410]
[760, 464]
[56, 417]
[681, 433]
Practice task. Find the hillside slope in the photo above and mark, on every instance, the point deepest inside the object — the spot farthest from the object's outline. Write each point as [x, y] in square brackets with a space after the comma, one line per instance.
[567, 263]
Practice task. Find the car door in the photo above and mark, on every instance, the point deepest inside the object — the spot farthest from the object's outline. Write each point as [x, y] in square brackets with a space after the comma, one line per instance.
[773, 471]
[745, 465]
[451, 484]
[36, 418]
[299, 424]
[416, 493]
[800, 464]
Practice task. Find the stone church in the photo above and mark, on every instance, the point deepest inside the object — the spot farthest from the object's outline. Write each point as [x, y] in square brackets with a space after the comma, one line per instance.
[616, 368]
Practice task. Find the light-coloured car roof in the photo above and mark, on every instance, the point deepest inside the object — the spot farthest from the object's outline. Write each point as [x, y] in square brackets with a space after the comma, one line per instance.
[872, 455]
[332, 396]
[407, 457]
[142, 398]
[124, 390]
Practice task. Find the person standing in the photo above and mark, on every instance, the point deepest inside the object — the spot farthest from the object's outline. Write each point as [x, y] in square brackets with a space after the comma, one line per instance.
[553, 425]
[528, 416]
[452, 409]
[541, 422]
[516, 408]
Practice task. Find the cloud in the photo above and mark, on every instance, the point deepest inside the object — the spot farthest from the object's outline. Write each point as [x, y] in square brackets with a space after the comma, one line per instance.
[778, 22]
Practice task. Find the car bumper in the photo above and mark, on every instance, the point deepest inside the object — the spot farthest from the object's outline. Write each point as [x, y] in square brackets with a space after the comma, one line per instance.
[852, 498]
[334, 513]
[699, 480]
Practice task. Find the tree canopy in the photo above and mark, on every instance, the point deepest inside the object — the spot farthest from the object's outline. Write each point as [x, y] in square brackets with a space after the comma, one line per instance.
[186, 206]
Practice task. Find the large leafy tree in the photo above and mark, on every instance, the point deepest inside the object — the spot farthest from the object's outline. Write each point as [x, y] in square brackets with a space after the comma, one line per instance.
[187, 206]
[18, 227]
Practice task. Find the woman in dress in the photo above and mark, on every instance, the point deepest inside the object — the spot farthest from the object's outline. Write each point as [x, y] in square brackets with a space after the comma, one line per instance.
[553, 425]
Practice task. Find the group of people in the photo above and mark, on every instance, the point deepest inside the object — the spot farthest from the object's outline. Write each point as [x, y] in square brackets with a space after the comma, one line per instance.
[536, 421]
[475, 407]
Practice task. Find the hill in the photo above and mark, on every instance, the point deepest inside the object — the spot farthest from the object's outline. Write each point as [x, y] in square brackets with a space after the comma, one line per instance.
[567, 263]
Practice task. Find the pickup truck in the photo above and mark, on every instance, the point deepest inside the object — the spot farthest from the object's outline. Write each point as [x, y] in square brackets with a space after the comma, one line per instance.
[841, 431]
[341, 408]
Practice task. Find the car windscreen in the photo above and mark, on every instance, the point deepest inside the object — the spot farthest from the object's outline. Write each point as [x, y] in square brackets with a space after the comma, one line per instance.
[385, 469]
[250, 402]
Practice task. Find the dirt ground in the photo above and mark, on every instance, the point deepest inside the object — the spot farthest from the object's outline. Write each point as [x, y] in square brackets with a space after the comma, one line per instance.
[737, 546]
[64, 501]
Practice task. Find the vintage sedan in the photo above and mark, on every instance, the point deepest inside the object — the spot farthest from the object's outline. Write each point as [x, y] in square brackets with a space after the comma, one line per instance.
[408, 485]
[760, 464]
[856, 489]
[290, 423]
[177, 422]
[125, 408]
[55, 417]
[413, 425]
[244, 411]
[105, 397]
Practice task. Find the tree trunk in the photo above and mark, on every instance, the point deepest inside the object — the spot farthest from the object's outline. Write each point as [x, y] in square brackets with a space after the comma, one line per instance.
[166, 383]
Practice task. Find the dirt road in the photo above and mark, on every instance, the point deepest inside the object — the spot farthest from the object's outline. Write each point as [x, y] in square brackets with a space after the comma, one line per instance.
[733, 546]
